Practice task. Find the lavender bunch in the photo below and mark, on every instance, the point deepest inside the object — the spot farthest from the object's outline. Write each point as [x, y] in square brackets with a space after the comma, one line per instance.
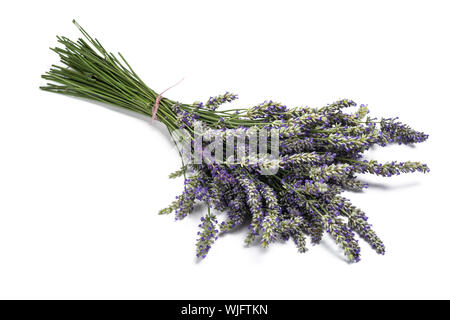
[292, 191]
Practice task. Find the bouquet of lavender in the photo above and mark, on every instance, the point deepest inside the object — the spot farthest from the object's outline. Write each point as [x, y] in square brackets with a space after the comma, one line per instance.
[280, 171]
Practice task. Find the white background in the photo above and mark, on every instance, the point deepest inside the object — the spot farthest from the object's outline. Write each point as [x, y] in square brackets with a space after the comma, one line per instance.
[81, 184]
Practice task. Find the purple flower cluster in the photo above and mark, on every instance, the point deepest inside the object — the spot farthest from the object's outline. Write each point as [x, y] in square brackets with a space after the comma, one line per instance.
[207, 235]
[214, 102]
[321, 154]
[394, 131]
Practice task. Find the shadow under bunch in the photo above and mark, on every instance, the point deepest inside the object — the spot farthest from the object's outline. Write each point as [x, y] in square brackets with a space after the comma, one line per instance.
[320, 155]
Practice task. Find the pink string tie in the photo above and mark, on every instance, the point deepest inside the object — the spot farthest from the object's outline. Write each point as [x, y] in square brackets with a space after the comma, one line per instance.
[158, 100]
